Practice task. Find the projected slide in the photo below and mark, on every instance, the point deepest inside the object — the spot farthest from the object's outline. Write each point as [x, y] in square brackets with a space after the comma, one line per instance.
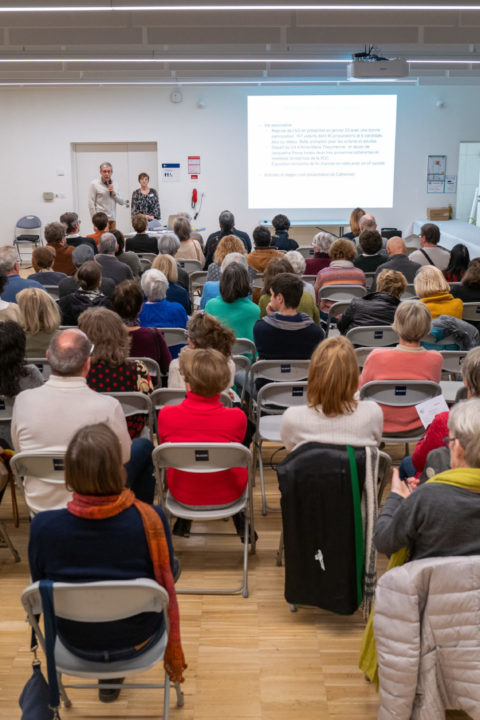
[321, 151]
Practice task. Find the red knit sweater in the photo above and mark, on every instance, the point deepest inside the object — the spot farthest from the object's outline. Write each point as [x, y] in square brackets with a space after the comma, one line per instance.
[432, 439]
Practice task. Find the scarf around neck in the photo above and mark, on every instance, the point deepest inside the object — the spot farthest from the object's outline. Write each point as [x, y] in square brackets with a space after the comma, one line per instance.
[92, 507]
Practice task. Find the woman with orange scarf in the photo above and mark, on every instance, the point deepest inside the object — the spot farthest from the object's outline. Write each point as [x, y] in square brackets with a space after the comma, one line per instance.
[105, 533]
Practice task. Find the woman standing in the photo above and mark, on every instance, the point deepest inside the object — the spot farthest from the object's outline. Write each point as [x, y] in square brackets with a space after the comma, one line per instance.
[145, 199]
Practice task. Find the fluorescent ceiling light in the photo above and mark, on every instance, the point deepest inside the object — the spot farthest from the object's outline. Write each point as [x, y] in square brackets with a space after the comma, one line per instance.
[229, 8]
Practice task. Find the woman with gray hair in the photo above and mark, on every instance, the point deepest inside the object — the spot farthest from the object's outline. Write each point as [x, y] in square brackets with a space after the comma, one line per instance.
[298, 263]
[211, 289]
[157, 311]
[168, 244]
[321, 242]
[441, 516]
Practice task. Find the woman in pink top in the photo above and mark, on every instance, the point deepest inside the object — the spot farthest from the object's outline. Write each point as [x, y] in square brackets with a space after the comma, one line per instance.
[407, 361]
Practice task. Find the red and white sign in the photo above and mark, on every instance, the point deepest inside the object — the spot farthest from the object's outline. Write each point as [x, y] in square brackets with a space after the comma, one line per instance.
[194, 164]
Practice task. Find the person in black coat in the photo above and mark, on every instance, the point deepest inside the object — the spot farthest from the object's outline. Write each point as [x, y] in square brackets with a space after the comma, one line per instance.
[372, 254]
[88, 294]
[376, 308]
[281, 239]
[142, 242]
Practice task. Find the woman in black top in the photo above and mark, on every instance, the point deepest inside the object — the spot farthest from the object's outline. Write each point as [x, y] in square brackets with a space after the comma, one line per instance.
[469, 289]
[145, 199]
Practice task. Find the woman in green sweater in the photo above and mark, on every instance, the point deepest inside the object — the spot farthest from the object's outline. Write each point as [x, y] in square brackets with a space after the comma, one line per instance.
[233, 308]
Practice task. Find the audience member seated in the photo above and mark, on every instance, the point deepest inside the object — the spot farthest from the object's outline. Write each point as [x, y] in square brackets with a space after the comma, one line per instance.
[458, 264]
[264, 252]
[407, 361]
[355, 216]
[44, 258]
[286, 333]
[111, 266]
[157, 311]
[298, 263]
[10, 267]
[100, 223]
[322, 243]
[129, 258]
[211, 289]
[189, 249]
[432, 289]
[175, 293]
[232, 307]
[55, 236]
[15, 374]
[141, 242]
[145, 341]
[431, 253]
[341, 271]
[440, 517]
[40, 318]
[73, 237]
[469, 289]
[89, 278]
[120, 539]
[398, 260]
[202, 418]
[333, 413]
[372, 255]
[276, 267]
[438, 430]
[227, 227]
[47, 417]
[110, 371]
[168, 244]
[80, 255]
[228, 244]
[8, 310]
[366, 222]
[375, 308]
[204, 331]
[281, 240]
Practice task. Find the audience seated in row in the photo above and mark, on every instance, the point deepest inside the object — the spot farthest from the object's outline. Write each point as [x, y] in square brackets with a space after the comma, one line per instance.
[80, 255]
[298, 263]
[322, 243]
[372, 253]
[40, 318]
[10, 269]
[72, 227]
[55, 235]
[100, 224]
[189, 248]
[281, 239]
[43, 258]
[157, 311]
[226, 221]
[168, 244]
[175, 293]
[8, 310]
[274, 268]
[89, 279]
[377, 307]
[469, 288]
[141, 242]
[232, 307]
[111, 266]
[398, 260]
[431, 253]
[227, 245]
[432, 289]
[259, 258]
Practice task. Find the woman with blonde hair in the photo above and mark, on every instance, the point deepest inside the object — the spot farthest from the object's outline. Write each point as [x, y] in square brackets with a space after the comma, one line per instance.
[175, 292]
[333, 413]
[39, 317]
[228, 244]
[189, 248]
[432, 289]
[355, 216]
[110, 371]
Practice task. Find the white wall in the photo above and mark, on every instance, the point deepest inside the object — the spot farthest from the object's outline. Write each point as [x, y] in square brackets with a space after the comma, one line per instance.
[38, 126]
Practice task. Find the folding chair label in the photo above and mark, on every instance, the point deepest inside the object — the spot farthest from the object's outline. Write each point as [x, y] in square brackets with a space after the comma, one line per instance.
[378, 334]
[400, 390]
[2, 404]
[297, 391]
[58, 464]
[285, 368]
[201, 456]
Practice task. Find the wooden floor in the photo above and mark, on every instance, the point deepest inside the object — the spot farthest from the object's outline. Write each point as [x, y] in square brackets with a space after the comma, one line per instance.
[247, 658]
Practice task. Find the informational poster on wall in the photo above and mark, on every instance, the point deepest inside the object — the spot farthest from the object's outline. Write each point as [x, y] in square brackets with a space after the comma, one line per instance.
[436, 169]
[171, 172]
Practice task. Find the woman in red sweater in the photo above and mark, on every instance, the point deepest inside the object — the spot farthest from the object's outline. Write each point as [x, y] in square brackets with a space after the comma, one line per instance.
[407, 361]
[202, 418]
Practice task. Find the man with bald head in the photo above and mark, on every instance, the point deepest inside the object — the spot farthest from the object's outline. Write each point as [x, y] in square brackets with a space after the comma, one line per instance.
[47, 417]
[398, 260]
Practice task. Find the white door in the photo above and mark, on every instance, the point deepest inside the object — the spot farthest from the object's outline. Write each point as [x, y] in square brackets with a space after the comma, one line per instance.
[128, 160]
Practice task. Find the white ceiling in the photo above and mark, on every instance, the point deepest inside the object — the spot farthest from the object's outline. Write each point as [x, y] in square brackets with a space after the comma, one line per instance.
[165, 37]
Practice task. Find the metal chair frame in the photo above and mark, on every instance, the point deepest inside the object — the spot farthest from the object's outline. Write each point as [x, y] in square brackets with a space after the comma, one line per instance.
[153, 368]
[44, 464]
[275, 371]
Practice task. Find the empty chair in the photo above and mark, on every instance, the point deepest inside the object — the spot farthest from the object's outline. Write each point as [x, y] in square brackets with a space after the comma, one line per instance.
[27, 233]
[338, 293]
[190, 266]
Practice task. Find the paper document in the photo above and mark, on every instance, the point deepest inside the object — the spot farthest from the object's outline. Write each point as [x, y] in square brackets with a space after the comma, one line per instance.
[429, 408]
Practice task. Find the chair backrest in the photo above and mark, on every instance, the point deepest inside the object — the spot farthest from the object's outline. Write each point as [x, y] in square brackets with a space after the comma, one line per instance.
[338, 308]
[201, 457]
[190, 266]
[104, 601]
[361, 354]
[471, 312]
[306, 250]
[341, 292]
[409, 292]
[135, 403]
[49, 466]
[43, 365]
[174, 396]
[29, 222]
[244, 346]
[52, 290]
[147, 256]
[373, 336]
[174, 336]
[279, 370]
[274, 398]
[452, 361]
[152, 366]
[145, 264]
[241, 363]
[400, 393]
[309, 279]
[432, 340]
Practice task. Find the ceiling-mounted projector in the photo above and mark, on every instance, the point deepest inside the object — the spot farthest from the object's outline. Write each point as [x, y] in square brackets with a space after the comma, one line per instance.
[369, 64]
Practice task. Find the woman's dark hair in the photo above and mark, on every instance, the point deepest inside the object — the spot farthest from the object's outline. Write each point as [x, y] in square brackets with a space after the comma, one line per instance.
[472, 276]
[89, 275]
[234, 283]
[120, 241]
[128, 300]
[281, 222]
[12, 354]
[3, 281]
[459, 260]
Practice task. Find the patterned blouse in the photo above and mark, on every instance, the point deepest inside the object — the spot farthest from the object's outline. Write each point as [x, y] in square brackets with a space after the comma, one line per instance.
[130, 376]
[146, 204]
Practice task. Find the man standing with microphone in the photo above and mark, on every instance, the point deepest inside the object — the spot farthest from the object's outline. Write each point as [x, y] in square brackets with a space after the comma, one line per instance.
[102, 196]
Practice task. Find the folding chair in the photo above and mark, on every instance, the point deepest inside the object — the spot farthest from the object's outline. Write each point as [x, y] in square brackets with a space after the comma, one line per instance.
[147, 256]
[136, 403]
[274, 371]
[452, 363]
[373, 336]
[208, 457]
[5, 541]
[174, 336]
[338, 293]
[145, 264]
[27, 232]
[190, 266]
[400, 393]
[43, 464]
[153, 368]
[361, 354]
[6, 410]
[97, 602]
[52, 290]
[244, 346]
[197, 279]
[306, 251]
[258, 281]
[338, 308]
[43, 365]
[471, 312]
[409, 293]
[370, 278]
[272, 401]
[309, 279]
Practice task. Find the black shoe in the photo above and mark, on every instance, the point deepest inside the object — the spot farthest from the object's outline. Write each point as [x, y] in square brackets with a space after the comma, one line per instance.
[108, 695]
[239, 522]
[182, 527]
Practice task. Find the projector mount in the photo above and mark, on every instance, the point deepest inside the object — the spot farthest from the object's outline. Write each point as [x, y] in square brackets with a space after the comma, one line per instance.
[370, 53]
